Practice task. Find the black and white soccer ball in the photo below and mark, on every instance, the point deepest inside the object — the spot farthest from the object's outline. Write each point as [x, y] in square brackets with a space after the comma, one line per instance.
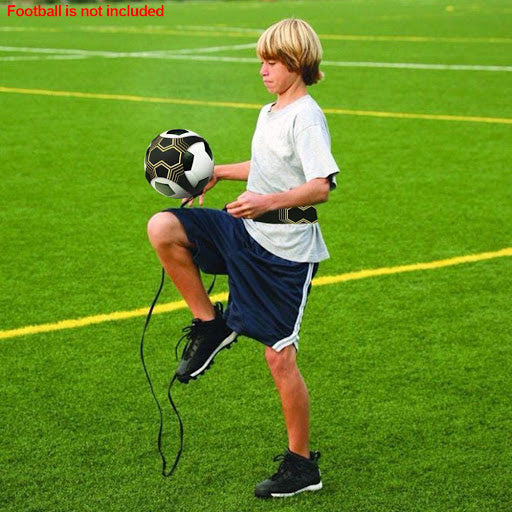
[178, 164]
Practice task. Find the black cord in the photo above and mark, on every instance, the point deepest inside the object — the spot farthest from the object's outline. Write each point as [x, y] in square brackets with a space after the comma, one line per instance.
[178, 455]
[160, 411]
[165, 473]
[142, 360]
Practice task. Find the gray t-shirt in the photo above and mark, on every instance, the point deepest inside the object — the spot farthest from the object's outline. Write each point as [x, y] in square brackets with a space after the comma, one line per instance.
[289, 148]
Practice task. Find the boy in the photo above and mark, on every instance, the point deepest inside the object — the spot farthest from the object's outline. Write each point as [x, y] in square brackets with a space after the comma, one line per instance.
[267, 241]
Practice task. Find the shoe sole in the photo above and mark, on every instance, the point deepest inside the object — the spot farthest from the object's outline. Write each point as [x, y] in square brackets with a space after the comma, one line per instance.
[314, 487]
[232, 338]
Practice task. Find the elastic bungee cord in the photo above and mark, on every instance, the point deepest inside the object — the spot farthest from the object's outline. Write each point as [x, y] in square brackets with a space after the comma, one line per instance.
[165, 473]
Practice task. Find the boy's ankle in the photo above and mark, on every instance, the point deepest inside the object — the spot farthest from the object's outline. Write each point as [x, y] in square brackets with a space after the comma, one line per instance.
[305, 454]
[207, 318]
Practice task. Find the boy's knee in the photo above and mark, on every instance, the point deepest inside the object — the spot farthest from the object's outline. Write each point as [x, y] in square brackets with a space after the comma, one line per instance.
[281, 363]
[162, 228]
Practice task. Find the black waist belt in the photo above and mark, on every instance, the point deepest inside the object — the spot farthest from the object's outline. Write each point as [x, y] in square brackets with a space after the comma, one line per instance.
[297, 215]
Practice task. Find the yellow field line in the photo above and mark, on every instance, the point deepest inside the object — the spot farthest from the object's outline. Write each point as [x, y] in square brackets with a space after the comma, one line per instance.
[384, 271]
[127, 97]
[319, 281]
[409, 115]
[98, 319]
[252, 106]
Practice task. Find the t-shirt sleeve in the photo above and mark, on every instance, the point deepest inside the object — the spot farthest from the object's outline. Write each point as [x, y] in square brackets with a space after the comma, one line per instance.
[314, 149]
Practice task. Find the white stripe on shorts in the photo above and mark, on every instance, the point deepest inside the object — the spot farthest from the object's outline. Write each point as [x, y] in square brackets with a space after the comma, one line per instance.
[294, 336]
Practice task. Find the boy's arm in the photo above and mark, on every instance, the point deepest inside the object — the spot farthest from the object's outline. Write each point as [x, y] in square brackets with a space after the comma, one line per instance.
[250, 205]
[238, 171]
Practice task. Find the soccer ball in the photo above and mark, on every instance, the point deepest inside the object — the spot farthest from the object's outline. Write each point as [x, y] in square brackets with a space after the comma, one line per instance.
[178, 164]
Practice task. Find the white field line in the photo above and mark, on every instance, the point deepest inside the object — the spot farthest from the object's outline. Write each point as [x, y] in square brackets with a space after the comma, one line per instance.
[157, 54]
[66, 51]
[183, 54]
[417, 65]
[350, 37]
[40, 57]
[245, 32]
[219, 28]
[212, 49]
[30, 29]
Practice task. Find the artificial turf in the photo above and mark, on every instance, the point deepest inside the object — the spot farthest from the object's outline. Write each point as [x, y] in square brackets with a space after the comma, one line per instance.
[409, 374]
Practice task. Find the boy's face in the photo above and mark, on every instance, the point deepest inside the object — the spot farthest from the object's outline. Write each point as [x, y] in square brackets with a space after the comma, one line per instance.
[276, 76]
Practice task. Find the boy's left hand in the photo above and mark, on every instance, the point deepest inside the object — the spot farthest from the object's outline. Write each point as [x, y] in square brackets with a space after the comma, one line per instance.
[249, 205]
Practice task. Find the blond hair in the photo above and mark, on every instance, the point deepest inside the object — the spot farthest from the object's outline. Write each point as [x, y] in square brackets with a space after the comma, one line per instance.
[294, 43]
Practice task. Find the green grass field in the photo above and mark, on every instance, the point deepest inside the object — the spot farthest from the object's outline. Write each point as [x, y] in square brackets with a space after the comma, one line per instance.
[409, 373]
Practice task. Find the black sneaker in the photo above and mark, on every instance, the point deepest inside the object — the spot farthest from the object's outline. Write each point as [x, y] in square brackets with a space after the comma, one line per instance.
[295, 474]
[204, 341]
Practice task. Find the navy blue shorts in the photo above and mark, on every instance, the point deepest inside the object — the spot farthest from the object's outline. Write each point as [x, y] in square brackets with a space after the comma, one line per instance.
[267, 294]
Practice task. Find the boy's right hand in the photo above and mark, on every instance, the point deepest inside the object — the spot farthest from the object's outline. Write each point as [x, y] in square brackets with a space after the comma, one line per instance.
[213, 181]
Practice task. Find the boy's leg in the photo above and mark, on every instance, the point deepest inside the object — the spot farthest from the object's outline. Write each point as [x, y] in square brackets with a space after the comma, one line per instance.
[294, 397]
[208, 334]
[170, 241]
[298, 471]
